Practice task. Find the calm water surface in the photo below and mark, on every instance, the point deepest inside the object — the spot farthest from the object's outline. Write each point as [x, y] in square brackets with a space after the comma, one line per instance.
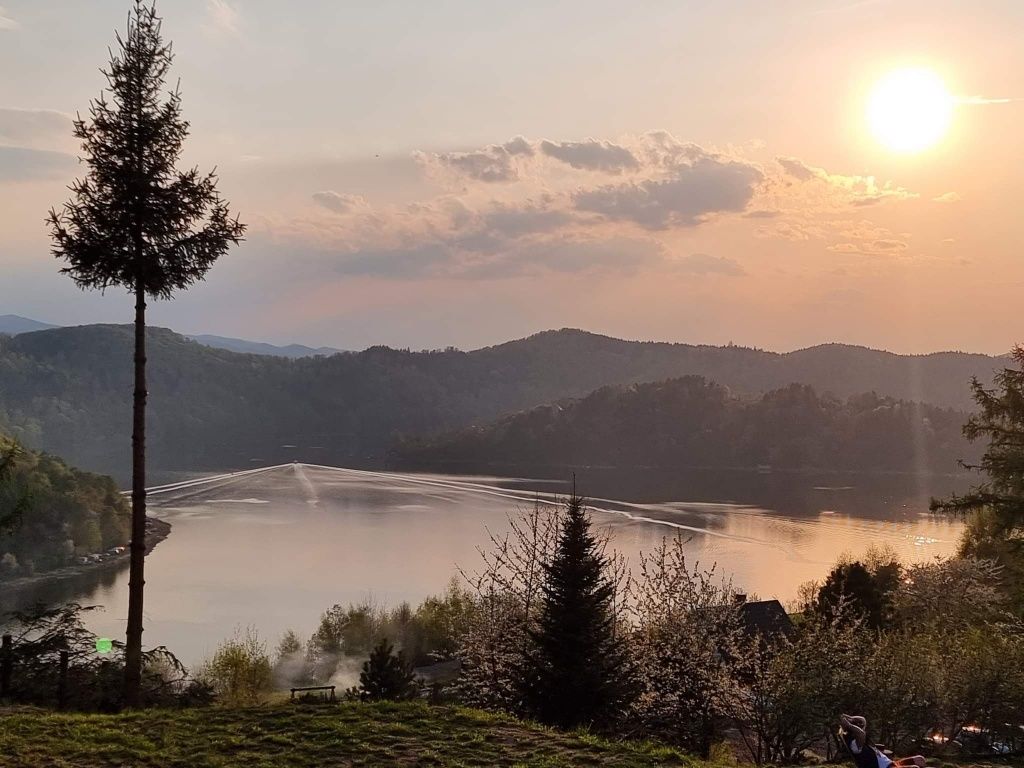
[276, 547]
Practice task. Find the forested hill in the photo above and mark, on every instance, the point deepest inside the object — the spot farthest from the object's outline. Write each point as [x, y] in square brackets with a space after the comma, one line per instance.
[68, 390]
[691, 422]
[59, 513]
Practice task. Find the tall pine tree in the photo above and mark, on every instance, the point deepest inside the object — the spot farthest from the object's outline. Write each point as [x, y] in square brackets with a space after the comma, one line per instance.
[576, 669]
[138, 222]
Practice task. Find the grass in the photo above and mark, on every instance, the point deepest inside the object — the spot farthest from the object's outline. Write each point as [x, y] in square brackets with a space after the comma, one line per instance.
[306, 735]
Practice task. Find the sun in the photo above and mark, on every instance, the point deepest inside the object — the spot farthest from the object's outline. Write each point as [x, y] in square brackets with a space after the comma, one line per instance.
[910, 110]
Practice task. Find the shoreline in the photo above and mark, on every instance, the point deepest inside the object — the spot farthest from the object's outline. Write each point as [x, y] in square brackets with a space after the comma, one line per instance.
[156, 531]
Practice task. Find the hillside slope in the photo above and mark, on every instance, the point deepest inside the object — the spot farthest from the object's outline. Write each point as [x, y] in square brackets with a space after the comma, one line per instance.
[691, 422]
[68, 390]
[347, 734]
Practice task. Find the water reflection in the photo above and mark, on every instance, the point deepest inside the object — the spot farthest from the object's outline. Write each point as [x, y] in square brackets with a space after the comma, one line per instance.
[275, 548]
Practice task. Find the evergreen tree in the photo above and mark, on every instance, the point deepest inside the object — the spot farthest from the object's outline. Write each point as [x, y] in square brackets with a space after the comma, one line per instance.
[386, 676]
[995, 530]
[576, 672]
[138, 222]
[1001, 421]
[860, 592]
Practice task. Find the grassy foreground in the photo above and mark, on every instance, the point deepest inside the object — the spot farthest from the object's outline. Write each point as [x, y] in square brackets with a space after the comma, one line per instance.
[299, 736]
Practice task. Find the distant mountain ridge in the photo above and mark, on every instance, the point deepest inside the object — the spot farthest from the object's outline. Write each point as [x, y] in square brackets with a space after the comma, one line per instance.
[13, 325]
[244, 346]
[67, 390]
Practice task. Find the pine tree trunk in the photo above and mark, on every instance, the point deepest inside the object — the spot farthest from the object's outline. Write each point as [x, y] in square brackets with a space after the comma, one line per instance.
[136, 581]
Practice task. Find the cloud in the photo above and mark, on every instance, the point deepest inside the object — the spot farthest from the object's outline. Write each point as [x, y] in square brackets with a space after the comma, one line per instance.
[591, 155]
[494, 163]
[562, 254]
[222, 19]
[25, 164]
[688, 196]
[340, 203]
[38, 128]
[706, 264]
[797, 168]
[516, 221]
[854, 190]
[947, 197]
[982, 100]
[518, 146]
[6, 22]
[627, 204]
[880, 247]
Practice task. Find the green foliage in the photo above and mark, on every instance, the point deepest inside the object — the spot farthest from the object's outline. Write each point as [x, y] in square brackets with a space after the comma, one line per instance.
[430, 633]
[94, 681]
[386, 676]
[1001, 423]
[60, 513]
[996, 506]
[13, 498]
[135, 220]
[577, 672]
[240, 671]
[854, 590]
[695, 422]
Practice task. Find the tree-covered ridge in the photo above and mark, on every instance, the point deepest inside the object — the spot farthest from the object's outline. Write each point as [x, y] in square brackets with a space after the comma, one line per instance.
[64, 390]
[697, 423]
[63, 513]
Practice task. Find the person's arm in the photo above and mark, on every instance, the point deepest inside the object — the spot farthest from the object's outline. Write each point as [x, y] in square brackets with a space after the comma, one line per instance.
[858, 733]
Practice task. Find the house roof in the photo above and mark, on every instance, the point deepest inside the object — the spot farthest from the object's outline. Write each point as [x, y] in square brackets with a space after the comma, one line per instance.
[765, 617]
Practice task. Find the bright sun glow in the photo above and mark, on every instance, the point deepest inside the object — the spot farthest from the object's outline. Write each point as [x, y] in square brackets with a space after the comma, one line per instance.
[910, 110]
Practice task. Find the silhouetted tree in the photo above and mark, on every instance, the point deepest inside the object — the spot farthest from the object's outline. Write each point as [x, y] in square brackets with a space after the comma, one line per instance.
[386, 676]
[1001, 421]
[136, 221]
[576, 667]
[864, 593]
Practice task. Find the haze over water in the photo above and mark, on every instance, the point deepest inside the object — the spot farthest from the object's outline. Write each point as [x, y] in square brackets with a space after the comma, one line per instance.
[274, 548]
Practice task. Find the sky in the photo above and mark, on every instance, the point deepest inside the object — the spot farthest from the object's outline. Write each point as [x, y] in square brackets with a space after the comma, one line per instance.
[464, 172]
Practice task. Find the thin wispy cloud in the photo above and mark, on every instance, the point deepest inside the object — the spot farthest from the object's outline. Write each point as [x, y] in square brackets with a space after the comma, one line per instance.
[984, 100]
[6, 22]
[222, 18]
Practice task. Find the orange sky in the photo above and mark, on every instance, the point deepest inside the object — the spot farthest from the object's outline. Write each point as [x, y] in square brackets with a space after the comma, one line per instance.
[463, 175]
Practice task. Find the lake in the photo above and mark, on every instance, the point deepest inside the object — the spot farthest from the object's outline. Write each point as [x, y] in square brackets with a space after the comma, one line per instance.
[273, 548]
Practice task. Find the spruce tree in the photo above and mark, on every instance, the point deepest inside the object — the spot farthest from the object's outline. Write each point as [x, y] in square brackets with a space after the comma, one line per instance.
[1001, 421]
[386, 676]
[576, 672]
[137, 222]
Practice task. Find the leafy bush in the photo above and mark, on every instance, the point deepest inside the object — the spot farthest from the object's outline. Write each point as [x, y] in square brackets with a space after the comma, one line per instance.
[239, 671]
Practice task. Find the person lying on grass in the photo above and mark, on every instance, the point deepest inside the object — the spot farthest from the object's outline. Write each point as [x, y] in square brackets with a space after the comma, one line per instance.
[854, 733]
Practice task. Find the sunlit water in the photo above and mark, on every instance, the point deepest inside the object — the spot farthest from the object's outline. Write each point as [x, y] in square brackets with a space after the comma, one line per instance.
[274, 548]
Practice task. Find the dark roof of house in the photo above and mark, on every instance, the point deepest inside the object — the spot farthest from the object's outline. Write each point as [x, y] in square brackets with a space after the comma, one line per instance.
[766, 617]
